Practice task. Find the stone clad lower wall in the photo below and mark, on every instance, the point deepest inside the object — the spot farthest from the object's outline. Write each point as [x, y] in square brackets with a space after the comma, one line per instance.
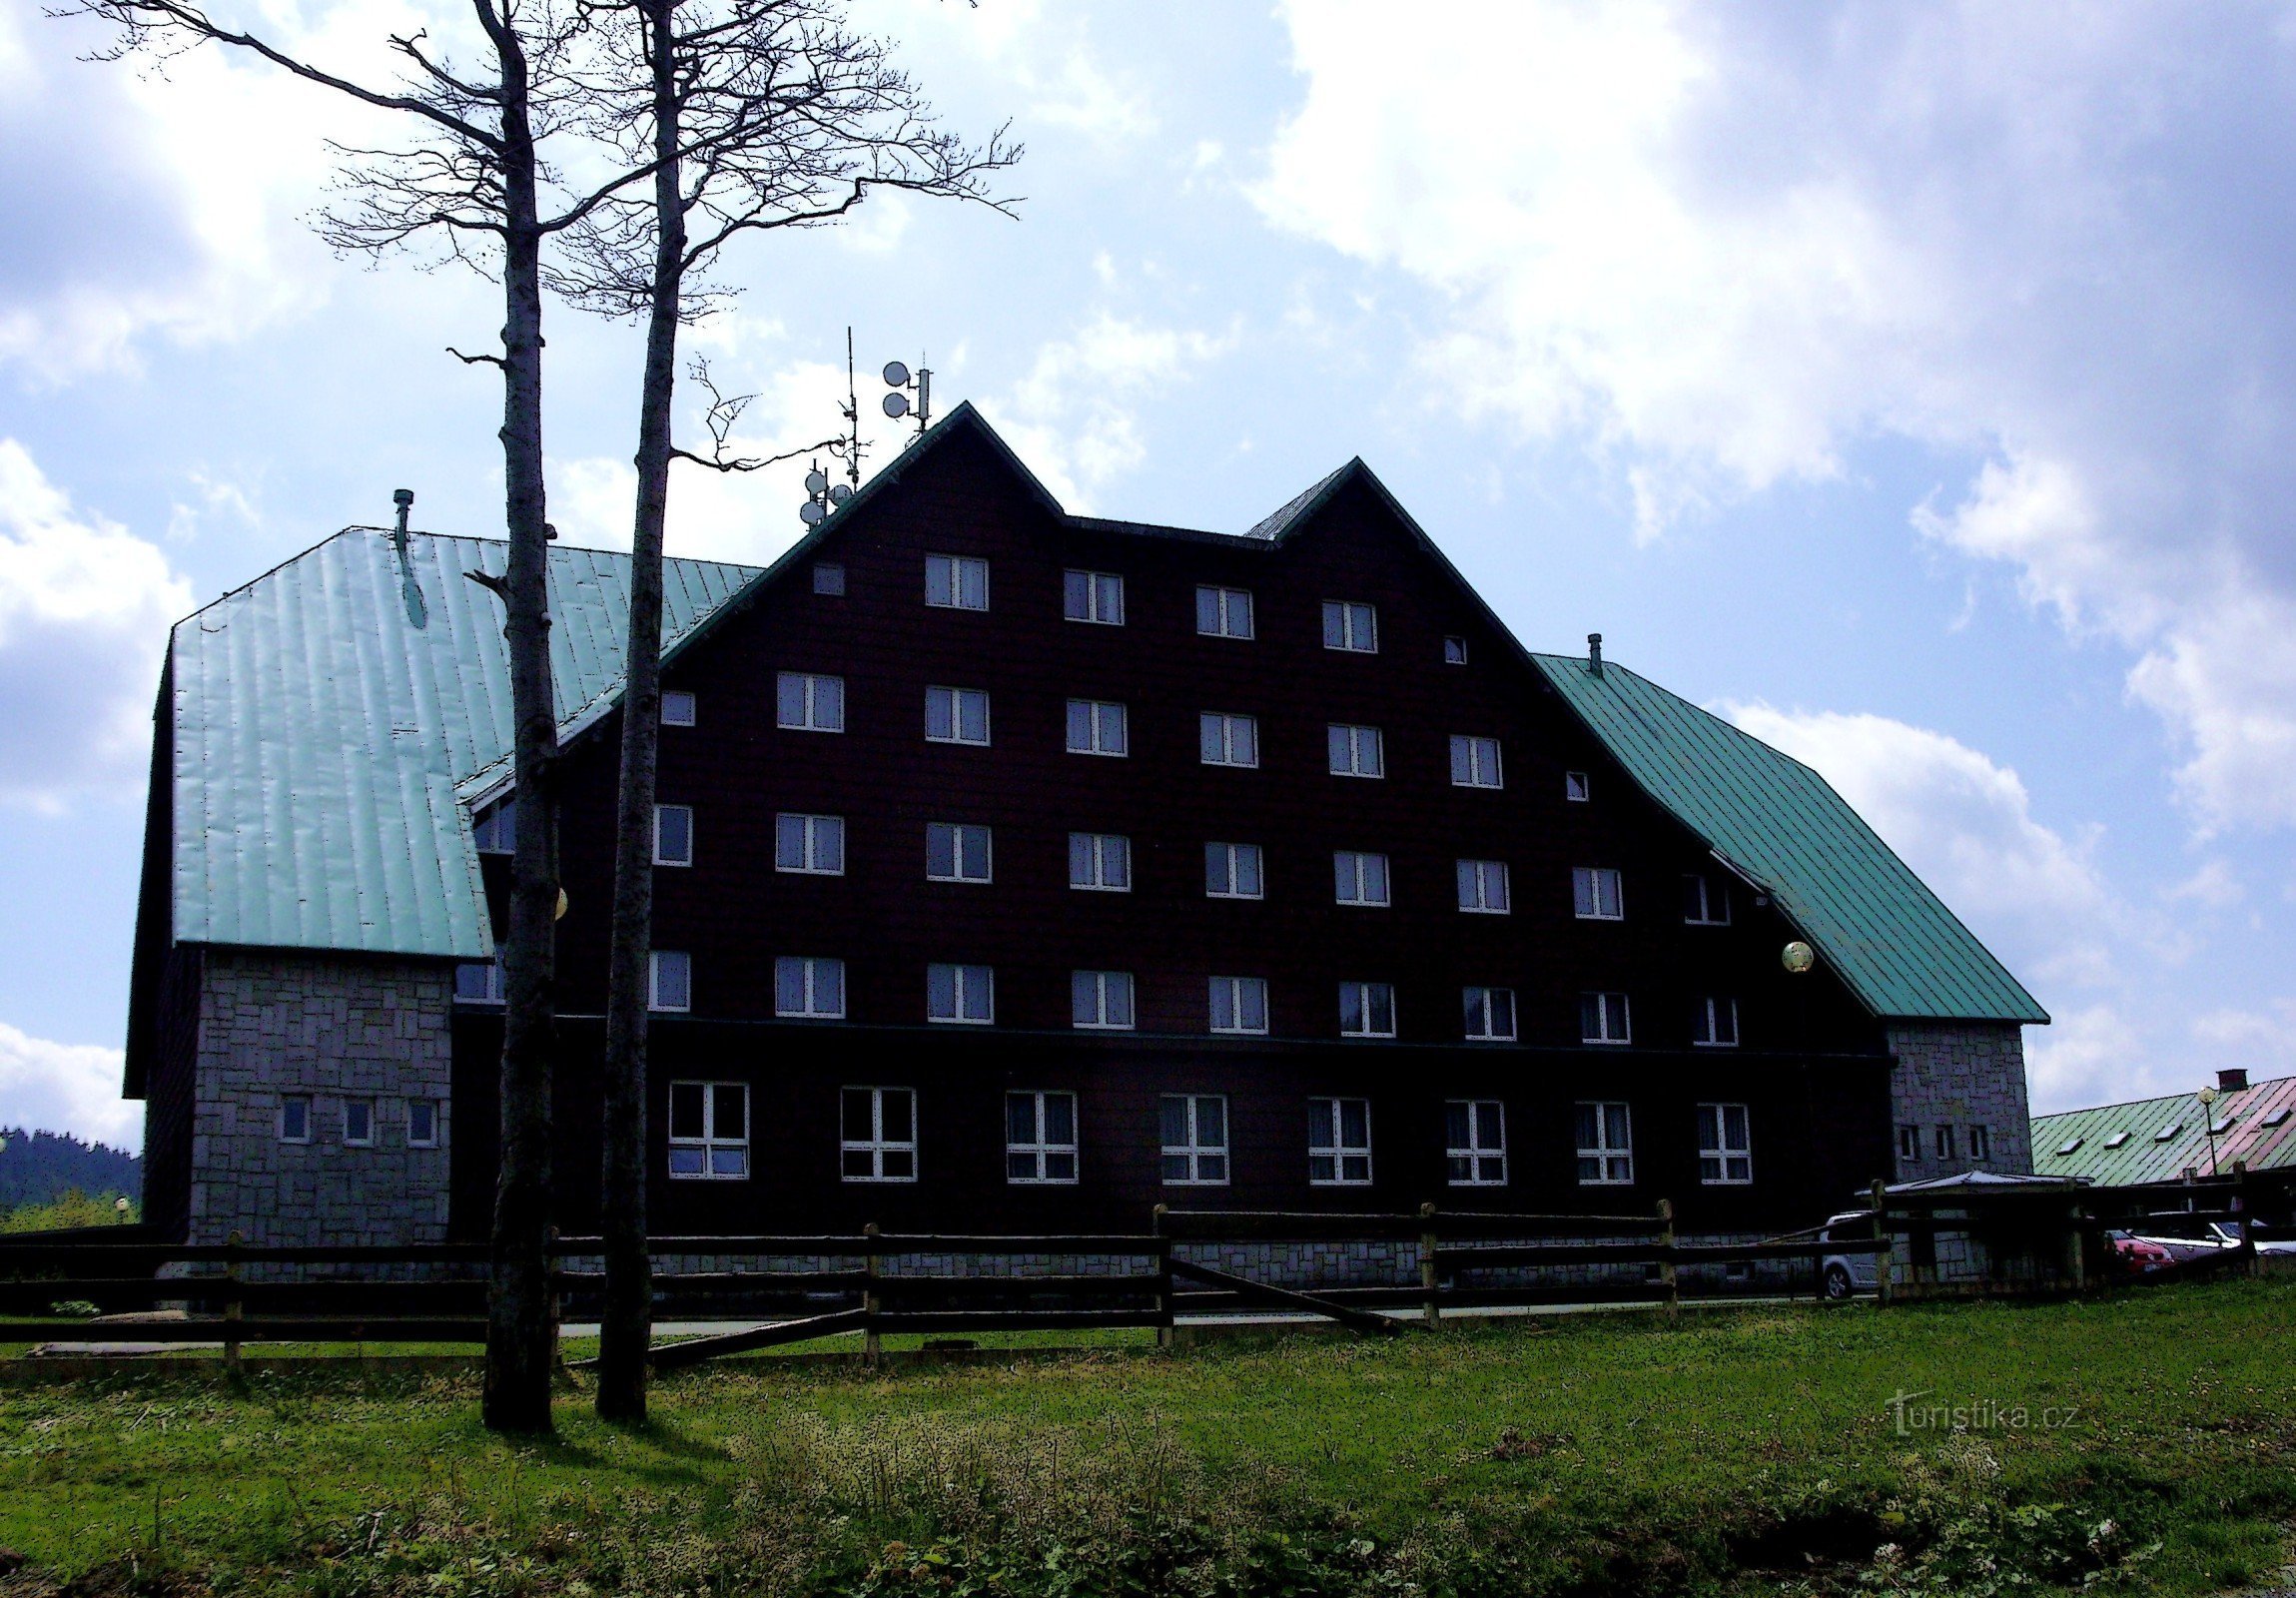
[328, 1028]
[1962, 1075]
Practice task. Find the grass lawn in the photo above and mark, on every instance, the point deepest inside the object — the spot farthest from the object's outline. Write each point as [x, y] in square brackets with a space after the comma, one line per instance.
[2143, 1443]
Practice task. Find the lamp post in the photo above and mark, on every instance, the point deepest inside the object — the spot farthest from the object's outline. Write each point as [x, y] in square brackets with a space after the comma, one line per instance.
[2207, 1098]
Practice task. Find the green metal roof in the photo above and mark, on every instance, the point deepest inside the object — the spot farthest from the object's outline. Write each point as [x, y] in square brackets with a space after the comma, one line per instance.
[1778, 824]
[2166, 1137]
[322, 737]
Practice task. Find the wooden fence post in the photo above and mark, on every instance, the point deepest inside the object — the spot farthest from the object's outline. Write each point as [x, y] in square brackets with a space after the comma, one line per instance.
[1669, 1282]
[234, 1307]
[1427, 1282]
[2241, 1208]
[872, 1345]
[1163, 1305]
[1883, 1261]
[557, 1302]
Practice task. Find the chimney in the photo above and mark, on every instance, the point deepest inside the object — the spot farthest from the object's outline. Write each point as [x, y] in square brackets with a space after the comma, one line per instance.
[1595, 653]
[2232, 1079]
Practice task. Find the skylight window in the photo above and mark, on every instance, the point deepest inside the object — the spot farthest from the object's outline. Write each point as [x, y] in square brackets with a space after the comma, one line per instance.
[2116, 1140]
[2278, 1117]
[2068, 1146]
[2169, 1133]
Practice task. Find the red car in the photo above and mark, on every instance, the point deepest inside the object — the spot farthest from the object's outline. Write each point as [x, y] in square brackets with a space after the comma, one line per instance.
[2134, 1255]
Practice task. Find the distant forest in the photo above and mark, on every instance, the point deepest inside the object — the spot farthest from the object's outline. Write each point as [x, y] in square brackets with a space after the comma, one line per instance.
[37, 1167]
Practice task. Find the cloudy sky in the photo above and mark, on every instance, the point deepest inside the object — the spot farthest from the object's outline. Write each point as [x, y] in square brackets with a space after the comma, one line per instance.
[1916, 386]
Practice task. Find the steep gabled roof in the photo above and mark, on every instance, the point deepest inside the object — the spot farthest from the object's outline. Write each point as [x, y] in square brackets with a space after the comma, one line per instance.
[2159, 1140]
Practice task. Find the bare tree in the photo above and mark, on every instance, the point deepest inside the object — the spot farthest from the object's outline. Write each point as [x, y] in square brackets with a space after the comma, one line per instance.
[751, 116]
[472, 183]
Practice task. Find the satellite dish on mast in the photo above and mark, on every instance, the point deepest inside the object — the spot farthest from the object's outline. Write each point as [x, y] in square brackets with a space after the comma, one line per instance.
[896, 405]
[817, 481]
[896, 375]
[810, 512]
[839, 492]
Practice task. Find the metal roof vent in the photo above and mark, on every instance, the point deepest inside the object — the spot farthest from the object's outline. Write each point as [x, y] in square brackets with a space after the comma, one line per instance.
[1595, 653]
[2232, 1079]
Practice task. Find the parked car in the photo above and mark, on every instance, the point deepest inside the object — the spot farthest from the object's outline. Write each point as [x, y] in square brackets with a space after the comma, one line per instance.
[2135, 1255]
[1845, 1274]
[2270, 1239]
[2188, 1237]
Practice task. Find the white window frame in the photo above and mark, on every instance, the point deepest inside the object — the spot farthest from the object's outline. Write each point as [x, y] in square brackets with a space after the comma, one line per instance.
[1345, 744]
[829, 578]
[1365, 993]
[680, 961]
[1090, 855]
[1613, 1161]
[490, 989]
[962, 977]
[1706, 1028]
[1477, 879]
[1943, 1139]
[1099, 715]
[1238, 994]
[1909, 1145]
[1454, 652]
[809, 969]
[362, 1110]
[960, 855]
[1227, 725]
[419, 1140]
[1341, 1164]
[1480, 1005]
[877, 1145]
[1475, 761]
[1096, 587]
[948, 574]
[1577, 787]
[953, 702]
[1353, 878]
[1701, 888]
[496, 829]
[1598, 893]
[812, 829]
[679, 708]
[712, 1139]
[294, 1101]
[1981, 1141]
[814, 717]
[1222, 612]
[1230, 857]
[1100, 994]
[1722, 1163]
[1604, 1017]
[1357, 627]
[1040, 1149]
[1483, 1156]
[662, 814]
[1192, 1150]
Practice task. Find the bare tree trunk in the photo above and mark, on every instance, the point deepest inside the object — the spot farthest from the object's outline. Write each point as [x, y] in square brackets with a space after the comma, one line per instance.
[627, 1326]
[522, 1331]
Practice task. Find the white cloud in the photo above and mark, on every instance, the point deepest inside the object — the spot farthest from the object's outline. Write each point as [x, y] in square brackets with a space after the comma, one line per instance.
[85, 608]
[1724, 246]
[1073, 416]
[2090, 1056]
[61, 1086]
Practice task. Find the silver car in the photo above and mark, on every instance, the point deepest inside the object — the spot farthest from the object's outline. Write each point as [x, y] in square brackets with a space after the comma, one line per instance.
[1844, 1275]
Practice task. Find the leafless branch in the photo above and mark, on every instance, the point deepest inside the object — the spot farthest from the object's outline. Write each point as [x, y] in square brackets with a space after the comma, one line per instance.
[723, 414]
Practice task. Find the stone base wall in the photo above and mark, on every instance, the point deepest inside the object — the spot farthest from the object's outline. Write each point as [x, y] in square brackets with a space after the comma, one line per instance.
[1962, 1075]
[328, 1029]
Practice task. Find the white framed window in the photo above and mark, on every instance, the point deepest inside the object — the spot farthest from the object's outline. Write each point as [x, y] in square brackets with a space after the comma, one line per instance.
[1603, 1018]
[709, 1131]
[1980, 1142]
[1484, 889]
[1355, 751]
[673, 835]
[1239, 1004]
[1705, 902]
[1366, 1010]
[961, 995]
[678, 708]
[829, 577]
[1491, 1013]
[812, 845]
[809, 984]
[877, 1134]
[1098, 727]
[807, 701]
[1597, 894]
[1474, 762]
[1101, 861]
[1351, 625]
[1222, 612]
[1039, 1139]
[422, 1123]
[1229, 740]
[1910, 1144]
[295, 1118]
[957, 582]
[1101, 1001]
[358, 1123]
[957, 852]
[1725, 1148]
[478, 981]
[1195, 1131]
[1096, 596]
[1714, 1023]
[670, 980]
[1339, 1142]
[956, 715]
[1576, 787]
[1454, 650]
[1476, 1143]
[496, 829]
[1233, 871]
[1606, 1145]
[1944, 1140]
[1358, 878]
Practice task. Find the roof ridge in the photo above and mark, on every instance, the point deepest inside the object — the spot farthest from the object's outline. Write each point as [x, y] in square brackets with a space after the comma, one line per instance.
[2158, 1099]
